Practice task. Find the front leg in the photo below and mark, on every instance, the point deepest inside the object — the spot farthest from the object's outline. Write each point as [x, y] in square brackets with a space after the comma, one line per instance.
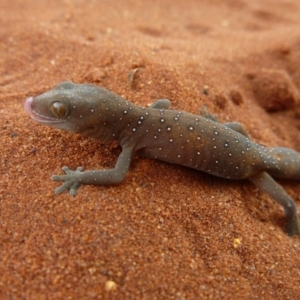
[74, 179]
[161, 104]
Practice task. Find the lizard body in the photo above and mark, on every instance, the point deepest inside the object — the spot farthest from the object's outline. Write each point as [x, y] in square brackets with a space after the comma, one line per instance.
[169, 135]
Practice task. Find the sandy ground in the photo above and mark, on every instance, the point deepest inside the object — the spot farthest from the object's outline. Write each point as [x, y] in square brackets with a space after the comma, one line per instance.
[166, 232]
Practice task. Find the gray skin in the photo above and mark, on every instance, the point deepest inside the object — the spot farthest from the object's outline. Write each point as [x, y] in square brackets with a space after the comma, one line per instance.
[169, 135]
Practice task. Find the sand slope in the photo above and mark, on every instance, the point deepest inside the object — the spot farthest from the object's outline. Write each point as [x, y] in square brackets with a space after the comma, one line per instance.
[166, 232]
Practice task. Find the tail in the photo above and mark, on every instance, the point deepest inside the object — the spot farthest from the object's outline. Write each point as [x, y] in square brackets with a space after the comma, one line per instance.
[283, 163]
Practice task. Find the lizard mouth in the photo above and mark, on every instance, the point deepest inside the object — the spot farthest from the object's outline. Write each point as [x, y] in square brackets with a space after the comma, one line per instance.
[36, 116]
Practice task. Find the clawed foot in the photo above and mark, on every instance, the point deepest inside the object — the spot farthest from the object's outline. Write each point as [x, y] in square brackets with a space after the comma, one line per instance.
[72, 180]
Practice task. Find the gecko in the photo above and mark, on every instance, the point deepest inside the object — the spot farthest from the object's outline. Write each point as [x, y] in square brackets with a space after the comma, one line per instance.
[195, 141]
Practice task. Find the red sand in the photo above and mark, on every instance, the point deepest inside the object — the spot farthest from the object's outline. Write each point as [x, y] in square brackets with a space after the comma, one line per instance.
[166, 232]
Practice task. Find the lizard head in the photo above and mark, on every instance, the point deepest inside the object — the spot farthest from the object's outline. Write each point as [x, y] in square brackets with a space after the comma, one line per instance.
[79, 108]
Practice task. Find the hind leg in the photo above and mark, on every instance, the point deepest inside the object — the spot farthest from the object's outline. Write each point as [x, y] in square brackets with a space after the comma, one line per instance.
[268, 185]
[205, 114]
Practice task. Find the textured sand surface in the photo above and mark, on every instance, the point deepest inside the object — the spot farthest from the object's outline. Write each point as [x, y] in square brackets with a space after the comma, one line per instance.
[166, 232]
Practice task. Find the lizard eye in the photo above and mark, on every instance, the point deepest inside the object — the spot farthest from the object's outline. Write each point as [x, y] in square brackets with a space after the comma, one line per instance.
[58, 109]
